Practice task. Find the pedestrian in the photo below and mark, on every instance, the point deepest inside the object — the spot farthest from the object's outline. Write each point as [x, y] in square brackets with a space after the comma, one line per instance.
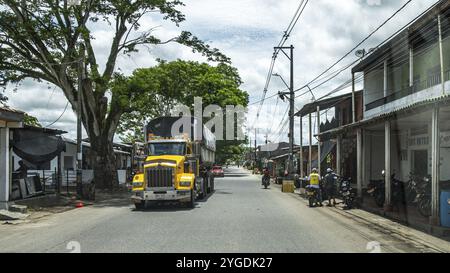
[315, 182]
[22, 170]
[330, 187]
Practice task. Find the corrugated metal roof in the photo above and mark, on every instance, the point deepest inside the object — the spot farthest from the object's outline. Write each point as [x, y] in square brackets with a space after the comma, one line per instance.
[9, 109]
[324, 104]
[11, 115]
[444, 99]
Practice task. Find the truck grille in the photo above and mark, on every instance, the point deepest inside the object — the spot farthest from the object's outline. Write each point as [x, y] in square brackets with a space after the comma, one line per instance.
[160, 177]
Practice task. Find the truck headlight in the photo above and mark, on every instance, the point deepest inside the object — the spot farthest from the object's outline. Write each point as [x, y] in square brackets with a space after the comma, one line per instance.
[138, 185]
[185, 184]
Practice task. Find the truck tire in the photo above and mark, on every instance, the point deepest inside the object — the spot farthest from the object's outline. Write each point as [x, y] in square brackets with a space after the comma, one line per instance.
[191, 203]
[212, 183]
[202, 190]
[205, 187]
[139, 206]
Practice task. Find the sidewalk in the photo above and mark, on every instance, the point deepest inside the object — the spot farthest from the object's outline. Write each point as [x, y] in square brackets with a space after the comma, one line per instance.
[419, 239]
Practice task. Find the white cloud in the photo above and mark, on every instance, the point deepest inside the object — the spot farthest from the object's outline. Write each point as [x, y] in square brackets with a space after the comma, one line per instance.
[247, 30]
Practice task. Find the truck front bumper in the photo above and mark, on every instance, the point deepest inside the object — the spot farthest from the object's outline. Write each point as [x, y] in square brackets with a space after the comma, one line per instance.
[171, 195]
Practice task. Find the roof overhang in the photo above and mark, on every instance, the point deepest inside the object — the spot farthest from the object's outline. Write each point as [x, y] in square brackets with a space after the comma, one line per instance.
[10, 117]
[407, 110]
[324, 104]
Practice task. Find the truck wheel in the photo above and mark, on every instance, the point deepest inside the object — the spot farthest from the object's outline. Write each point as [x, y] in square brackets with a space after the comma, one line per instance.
[212, 184]
[139, 206]
[201, 191]
[191, 203]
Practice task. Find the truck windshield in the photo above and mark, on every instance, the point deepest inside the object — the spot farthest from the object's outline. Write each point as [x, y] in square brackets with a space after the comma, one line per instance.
[158, 149]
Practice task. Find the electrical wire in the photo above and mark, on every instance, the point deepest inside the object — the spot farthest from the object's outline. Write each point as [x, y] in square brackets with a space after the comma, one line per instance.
[359, 44]
[62, 114]
[393, 53]
[285, 37]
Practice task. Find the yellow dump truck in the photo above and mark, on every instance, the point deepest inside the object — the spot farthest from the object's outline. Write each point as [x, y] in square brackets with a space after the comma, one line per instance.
[180, 155]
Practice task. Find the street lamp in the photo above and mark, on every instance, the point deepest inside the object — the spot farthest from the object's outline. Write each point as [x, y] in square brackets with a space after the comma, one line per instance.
[278, 75]
[282, 95]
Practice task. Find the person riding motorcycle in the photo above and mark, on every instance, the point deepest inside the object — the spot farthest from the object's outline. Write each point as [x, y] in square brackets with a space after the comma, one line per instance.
[330, 186]
[314, 182]
[266, 174]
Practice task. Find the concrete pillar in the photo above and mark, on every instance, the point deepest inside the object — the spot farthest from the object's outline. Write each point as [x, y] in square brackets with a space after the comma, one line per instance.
[363, 156]
[441, 54]
[319, 150]
[353, 98]
[310, 145]
[435, 161]
[302, 172]
[339, 155]
[411, 67]
[359, 144]
[385, 79]
[387, 168]
[4, 168]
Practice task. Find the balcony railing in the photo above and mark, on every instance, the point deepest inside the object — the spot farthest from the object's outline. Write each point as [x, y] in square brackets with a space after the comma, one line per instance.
[431, 81]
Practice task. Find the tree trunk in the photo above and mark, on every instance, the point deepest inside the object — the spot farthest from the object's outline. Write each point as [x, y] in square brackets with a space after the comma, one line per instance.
[104, 163]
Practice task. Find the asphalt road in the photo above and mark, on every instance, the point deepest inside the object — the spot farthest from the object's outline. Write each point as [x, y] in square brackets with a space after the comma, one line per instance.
[239, 217]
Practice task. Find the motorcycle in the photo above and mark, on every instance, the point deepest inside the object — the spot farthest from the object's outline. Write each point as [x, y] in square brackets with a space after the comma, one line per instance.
[266, 178]
[347, 192]
[424, 198]
[313, 196]
[376, 189]
[398, 191]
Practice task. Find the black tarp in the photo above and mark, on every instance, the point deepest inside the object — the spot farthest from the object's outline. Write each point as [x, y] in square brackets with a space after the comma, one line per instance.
[325, 149]
[37, 147]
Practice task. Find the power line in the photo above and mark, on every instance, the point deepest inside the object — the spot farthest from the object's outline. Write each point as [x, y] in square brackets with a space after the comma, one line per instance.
[359, 44]
[397, 54]
[285, 37]
[62, 114]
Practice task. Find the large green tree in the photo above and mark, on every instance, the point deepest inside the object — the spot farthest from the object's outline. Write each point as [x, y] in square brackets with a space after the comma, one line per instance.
[49, 40]
[170, 83]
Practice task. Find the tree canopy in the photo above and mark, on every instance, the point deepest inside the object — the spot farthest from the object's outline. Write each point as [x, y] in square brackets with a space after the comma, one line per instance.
[170, 83]
[52, 41]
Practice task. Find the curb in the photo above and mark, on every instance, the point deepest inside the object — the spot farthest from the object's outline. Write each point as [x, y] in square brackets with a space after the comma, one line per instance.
[415, 237]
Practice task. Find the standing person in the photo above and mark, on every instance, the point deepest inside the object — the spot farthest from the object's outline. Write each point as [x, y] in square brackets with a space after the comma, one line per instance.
[22, 170]
[314, 182]
[330, 186]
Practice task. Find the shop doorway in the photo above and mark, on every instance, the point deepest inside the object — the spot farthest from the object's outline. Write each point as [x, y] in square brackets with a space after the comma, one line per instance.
[420, 162]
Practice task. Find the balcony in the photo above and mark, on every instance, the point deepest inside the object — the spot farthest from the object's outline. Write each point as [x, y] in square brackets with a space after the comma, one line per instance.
[432, 81]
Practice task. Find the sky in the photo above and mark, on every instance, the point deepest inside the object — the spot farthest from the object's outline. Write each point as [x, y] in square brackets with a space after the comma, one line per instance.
[246, 31]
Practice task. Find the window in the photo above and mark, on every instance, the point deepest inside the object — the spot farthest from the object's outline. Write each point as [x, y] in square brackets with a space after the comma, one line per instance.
[68, 163]
[167, 148]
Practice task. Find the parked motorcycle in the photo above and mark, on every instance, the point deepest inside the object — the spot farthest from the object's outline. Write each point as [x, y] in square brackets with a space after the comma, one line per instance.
[376, 189]
[397, 191]
[347, 192]
[424, 198]
[313, 196]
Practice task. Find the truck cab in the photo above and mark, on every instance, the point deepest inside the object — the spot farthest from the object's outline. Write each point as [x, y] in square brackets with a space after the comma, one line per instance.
[173, 171]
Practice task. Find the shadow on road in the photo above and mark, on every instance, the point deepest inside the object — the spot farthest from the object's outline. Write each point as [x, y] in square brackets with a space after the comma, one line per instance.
[236, 175]
[164, 207]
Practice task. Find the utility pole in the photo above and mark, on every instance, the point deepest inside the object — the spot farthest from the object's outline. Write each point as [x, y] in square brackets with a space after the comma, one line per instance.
[291, 94]
[79, 123]
[256, 155]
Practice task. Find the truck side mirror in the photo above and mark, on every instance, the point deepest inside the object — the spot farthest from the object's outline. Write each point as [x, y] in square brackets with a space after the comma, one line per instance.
[186, 167]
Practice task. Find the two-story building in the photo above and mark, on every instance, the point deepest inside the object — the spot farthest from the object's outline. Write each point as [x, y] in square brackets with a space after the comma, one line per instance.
[332, 113]
[405, 126]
